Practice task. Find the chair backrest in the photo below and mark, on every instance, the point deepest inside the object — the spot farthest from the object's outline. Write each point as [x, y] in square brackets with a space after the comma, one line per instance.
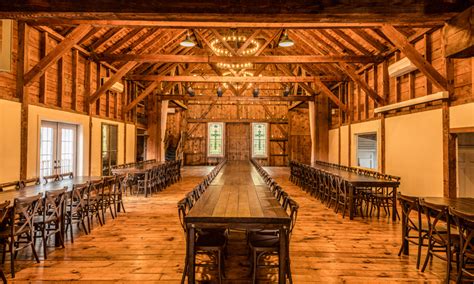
[408, 205]
[5, 213]
[66, 175]
[183, 209]
[77, 201]
[10, 185]
[51, 178]
[24, 210]
[293, 206]
[31, 181]
[438, 222]
[465, 223]
[53, 204]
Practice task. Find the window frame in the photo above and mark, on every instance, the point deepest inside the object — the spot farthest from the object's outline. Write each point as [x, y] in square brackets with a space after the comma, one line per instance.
[357, 135]
[222, 154]
[266, 140]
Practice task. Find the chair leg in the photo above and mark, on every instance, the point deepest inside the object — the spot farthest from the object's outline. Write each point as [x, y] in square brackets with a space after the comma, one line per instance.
[45, 239]
[33, 248]
[12, 257]
[2, 275]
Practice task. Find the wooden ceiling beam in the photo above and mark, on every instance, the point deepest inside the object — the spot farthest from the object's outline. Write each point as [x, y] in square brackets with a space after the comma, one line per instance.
[230, 79]
[351, 72]
[234, 98]
[54, 55]
[105, 38]
[148, 90]
[370, 40]
[326, 91]
[336, 42]
[296, 104]
[123, 40]
[224, 42]
[416, 58]
[351, 41]
[247, 42]
[112, 80]
[270, 59]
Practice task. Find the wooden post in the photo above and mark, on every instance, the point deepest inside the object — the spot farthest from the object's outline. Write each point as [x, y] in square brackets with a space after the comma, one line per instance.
[60, 94]
[349, 138]
[22, 94]
[449, 141]
[75, 56]
[312, 129]
[44, 49]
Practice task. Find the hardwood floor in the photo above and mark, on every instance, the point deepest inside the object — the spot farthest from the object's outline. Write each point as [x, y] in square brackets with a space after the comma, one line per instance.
[147, 245]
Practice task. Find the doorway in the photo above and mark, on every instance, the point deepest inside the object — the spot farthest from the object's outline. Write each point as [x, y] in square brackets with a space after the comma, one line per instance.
[465, 165]
[238, 141]
[109, 147]
[58, 152]
[141, 145]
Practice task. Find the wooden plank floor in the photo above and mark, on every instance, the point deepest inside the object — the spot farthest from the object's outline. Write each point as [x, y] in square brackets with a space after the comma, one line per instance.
[147, 245]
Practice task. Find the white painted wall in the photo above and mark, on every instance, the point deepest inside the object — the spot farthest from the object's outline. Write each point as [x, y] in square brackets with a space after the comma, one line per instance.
[414, 151]
[333, 156]
[10, 133]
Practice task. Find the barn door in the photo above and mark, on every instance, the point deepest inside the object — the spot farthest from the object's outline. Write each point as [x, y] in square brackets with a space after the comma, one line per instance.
[238, 141]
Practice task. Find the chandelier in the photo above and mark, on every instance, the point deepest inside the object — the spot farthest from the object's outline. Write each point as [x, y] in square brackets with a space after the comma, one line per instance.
[235, 42]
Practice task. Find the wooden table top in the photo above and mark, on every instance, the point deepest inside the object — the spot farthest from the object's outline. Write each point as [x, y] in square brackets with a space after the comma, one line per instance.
[142, 168]
[238, 195]
[464, 204]
[356, 179]
[42, 188]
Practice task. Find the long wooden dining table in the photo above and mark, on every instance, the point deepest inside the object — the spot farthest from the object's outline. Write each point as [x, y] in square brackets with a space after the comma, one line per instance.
[143, 168]
[42, 188]
[464, 204]
[238, 198]
[356, 180]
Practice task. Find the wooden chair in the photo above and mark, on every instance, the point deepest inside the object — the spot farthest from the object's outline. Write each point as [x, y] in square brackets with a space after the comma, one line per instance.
[69, 175]
[342, 195]
[441, 243]
[414, 231]
[94, 193]
[51, 178]
[265, 244]
[210, 242]
[19, 232]
[50, 220]
[5, 213]
[119, 189]
[76, 209]
[10, 185]
[106, 197]
[31, 181]
[465, 224]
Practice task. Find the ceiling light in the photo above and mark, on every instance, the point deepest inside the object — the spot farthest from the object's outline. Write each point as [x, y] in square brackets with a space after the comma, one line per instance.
[285, 41]
[286, 92]
[188, 41]
[256, 91]
[190, 91]
[219, 92]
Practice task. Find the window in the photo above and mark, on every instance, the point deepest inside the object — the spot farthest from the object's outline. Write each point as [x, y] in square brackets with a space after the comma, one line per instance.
[367, 150]
[259, 140]
[109, 147]
[215, 139]
[57, 148]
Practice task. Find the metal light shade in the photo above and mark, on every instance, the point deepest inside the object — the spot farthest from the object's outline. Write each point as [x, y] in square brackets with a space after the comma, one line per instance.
[285, 41]
[256, 91]
[190, 92]
[286, 92]
[219, 92]
[187, 42]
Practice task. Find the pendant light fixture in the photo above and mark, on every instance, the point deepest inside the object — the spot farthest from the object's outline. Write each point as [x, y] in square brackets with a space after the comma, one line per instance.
[188, 41]
[286, 92]
[219, 91]
[285, 41]
[256, 91]
[190, 91]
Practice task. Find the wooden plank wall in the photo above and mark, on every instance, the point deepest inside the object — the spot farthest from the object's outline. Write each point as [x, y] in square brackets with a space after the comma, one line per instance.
[199, 115]
[409, 86]
[65, 85]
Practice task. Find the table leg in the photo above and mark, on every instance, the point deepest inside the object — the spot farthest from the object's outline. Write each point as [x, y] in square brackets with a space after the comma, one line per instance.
[191, 257]
[351, 202]
[405, 242]
[146, 184]
[394, 204]
[282, 256]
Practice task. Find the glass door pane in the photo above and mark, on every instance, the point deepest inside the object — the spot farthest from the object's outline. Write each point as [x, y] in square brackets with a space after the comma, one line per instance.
[67, 148]
[47, 157]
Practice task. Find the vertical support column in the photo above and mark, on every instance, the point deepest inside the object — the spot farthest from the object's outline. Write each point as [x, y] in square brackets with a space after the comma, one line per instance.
[86, 106]
[349, 132]
[449, 141]
[22, 94]
[164, 117]
[43, 85]
[312, 128]
[75, 57]
[156, 128]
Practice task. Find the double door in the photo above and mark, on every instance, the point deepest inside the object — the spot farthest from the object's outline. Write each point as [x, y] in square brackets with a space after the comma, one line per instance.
[238, 141]
[57, 148]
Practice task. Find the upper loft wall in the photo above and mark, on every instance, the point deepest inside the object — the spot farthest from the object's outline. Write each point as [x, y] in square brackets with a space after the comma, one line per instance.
[412, 85]
[57, 89]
